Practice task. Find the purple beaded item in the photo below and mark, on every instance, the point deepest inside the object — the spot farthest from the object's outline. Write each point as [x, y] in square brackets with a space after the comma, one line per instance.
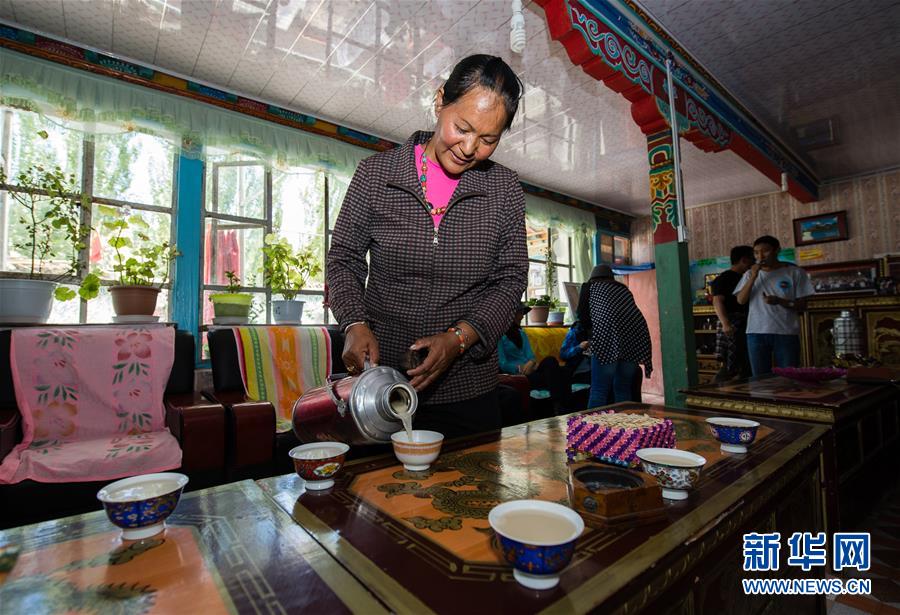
[615, 438]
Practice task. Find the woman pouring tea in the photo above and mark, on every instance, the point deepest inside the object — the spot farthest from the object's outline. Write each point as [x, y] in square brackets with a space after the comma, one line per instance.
[443, 228]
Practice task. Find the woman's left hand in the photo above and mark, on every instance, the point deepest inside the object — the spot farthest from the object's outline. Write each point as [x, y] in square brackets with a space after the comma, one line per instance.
[443, 349]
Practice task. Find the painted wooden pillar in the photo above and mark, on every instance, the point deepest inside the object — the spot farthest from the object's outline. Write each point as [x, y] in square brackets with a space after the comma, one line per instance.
[672, 273]
[185, 295]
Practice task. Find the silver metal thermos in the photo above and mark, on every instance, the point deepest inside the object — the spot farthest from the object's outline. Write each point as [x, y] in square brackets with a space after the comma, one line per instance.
[355, 409]
[847, 333]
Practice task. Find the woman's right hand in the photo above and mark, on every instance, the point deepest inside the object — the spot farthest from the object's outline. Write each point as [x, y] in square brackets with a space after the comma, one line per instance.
[359, 344]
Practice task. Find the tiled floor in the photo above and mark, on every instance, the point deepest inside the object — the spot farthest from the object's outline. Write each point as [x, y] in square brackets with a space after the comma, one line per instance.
[884, 526]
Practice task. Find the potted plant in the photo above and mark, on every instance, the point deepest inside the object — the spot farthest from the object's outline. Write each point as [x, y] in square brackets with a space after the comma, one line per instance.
[540, 308]
[286, 272]
[232, 306]
[141, 271]
[49, 211]
[555, 316]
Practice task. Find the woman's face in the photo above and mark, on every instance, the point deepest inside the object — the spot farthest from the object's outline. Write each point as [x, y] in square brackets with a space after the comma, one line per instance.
[468, 130]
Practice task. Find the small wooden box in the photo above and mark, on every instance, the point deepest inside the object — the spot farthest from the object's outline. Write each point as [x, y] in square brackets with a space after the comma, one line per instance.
[610, 496]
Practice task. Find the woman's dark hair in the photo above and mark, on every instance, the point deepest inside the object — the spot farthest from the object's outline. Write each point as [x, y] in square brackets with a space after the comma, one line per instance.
[489, 72]
[768, 240]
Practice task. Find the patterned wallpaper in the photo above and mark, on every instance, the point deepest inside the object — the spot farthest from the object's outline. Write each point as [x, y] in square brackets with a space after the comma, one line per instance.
[873, 220]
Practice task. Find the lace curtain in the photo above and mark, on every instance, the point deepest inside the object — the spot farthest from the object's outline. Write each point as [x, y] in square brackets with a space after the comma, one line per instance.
[580, 224]
[92, 104]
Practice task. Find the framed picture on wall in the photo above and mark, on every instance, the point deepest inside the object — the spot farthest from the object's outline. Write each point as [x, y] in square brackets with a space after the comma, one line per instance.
[708, 279]
[858, 277]
[821, 228]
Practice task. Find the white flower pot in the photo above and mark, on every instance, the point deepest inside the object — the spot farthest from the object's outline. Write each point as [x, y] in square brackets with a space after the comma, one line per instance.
[287, 312]
[25, 301]
[556, 317]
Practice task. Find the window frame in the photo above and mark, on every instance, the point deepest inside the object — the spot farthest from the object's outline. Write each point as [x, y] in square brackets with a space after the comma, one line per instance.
[558, 264]
[86, 182]
[266, 224]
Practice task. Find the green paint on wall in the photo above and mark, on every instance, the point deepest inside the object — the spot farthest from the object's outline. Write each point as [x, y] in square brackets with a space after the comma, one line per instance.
[675, 320]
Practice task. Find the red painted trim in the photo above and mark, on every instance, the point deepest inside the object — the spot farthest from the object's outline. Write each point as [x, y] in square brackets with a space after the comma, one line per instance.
[643, 104]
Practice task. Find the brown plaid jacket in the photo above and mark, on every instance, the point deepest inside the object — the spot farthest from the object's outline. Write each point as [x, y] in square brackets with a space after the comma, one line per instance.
[420, 283]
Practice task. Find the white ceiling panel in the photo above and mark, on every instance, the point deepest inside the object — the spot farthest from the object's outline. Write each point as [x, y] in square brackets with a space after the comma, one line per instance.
[182, 33]
[374, 65]
[792, 63]
[93, 29]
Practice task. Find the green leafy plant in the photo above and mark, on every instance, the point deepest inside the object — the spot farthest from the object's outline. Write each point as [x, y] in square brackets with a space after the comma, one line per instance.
[147, 265]
[49, 209]
[234, 282]
[286, 271]
[543, 301]
[550, 271]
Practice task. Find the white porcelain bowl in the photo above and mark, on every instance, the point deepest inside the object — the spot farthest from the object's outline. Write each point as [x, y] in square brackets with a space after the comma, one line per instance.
[140, 504]
[677, 472]
[421, 452]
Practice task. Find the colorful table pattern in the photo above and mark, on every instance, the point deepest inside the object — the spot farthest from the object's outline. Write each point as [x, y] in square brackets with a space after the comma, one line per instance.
[225, 550]
[422, 543]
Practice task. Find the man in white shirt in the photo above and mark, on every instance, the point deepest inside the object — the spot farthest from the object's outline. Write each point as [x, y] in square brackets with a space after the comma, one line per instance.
[776, 292]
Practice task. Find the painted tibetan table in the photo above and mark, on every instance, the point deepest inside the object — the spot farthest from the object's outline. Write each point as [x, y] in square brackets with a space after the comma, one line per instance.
[226, 550]
[422, 543]
[865, 436]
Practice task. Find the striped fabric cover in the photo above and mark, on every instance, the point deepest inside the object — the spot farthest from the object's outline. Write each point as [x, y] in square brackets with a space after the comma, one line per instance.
[279, 364]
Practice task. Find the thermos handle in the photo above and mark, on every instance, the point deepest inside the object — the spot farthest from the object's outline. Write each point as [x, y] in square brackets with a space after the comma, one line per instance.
[329, 386]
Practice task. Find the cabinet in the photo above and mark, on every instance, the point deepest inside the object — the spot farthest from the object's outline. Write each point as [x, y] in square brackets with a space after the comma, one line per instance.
[880, 316]
[705, 322]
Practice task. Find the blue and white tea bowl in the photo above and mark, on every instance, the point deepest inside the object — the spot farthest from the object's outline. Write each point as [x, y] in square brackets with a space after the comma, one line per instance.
[140, 504]
[734, 434]
[536, 564]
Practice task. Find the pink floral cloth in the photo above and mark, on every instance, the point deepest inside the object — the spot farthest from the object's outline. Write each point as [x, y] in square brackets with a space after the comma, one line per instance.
[91, 401]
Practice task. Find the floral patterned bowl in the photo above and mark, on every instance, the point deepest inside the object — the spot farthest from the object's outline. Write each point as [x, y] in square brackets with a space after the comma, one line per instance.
[677, 472]
[318, 463]
[734, 434]
[536, 562]
[140, 504]
[810, 374]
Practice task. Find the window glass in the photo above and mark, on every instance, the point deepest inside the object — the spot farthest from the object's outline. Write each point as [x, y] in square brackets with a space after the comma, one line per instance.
[134, 167]
[238, 188]
[606, 248]
[537, 240]
[65, 312]
[62, 148]
[622, 251]
[561, 247]
[145, 228]
[232, 246]
[18, 251]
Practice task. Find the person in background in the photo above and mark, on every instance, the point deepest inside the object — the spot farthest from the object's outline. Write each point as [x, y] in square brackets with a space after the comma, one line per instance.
[428, 252]
[775, 292]
[619, 337]
[731, 333]
[573, 351]
[517, 357]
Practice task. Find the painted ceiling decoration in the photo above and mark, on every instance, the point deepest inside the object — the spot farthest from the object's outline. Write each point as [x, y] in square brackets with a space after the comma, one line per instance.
[613, 42]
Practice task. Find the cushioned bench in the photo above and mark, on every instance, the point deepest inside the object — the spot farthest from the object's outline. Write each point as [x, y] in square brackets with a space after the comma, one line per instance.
[254, 447]
[196, 422]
